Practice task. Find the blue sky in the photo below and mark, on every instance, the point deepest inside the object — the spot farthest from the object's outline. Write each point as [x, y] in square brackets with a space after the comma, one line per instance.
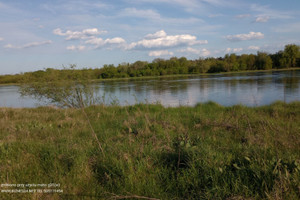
[39, 34]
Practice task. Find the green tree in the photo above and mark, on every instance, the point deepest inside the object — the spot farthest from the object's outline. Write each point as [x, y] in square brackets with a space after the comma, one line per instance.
[290, 54]
[263, 61]
[217, 66]
[251, 62]
[230, 62]
[243, 62]
[77, 92]
[184, 64]
[278, 60]
[109, 71]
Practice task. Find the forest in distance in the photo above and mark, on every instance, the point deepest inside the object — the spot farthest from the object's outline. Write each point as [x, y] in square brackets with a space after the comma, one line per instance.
[287, 58]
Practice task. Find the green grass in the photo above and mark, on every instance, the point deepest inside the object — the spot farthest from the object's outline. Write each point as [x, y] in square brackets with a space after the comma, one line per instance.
[202, 152]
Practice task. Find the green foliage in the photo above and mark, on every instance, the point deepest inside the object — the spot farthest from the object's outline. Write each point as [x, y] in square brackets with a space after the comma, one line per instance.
[263, 61]
[288, 58]
[77, 91]
[291, 53]
[218, 66]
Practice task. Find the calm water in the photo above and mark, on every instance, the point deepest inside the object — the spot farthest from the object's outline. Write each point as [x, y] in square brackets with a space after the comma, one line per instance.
[252, 89]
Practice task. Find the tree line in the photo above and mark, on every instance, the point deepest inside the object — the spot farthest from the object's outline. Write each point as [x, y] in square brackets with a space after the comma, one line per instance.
[287, 58]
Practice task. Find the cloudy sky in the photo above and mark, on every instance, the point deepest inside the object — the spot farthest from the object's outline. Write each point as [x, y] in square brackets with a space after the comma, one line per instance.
[37, 34]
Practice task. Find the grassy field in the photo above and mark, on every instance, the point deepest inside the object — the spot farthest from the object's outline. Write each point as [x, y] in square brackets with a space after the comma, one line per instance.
[151, 152]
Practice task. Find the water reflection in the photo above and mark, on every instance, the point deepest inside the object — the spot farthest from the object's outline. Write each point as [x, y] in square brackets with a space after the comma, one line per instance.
[248, 88]
[252, 89]
[10, 97]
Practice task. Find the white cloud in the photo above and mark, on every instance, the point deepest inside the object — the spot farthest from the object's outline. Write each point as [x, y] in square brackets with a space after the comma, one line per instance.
[228, 50]
[1, 39]
[262, 19]
[78, 35]
[28, 45]
[201, 52]
[190, 50]
[237, 50]
[95, 41]
[89, 37]
[76, 48]
[249, 36]
[158, 34]
[256, 48]
[99, 42]
[161, 40]
[205, 52]
[233, 50]
[116, 40]
[160, 53]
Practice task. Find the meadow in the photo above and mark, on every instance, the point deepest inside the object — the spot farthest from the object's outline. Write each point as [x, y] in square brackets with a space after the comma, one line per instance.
[148, 151]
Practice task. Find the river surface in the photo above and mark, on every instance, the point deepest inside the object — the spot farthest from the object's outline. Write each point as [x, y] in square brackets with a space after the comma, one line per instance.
[251, 89]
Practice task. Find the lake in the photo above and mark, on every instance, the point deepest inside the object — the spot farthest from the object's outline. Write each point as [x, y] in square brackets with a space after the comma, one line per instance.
[251, 89]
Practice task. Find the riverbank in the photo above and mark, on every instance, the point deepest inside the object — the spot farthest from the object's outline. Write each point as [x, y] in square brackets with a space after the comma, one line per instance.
[176, 75]
[193, 75]
[151, 152]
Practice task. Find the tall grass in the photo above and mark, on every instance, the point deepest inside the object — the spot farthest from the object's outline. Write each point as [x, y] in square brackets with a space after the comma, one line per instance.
[151, 152]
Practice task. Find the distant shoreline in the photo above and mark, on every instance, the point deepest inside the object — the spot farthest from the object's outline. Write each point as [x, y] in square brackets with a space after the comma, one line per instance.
[177, 75]
[199, 74]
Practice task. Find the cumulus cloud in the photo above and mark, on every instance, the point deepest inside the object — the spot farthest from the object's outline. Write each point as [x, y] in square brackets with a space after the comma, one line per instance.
[233, 50]
[262, 19]
[95, 41]
[78, 35]
[161, 40]
[158, 34]
[89, 36]
[28, 45]
[99, 42]
[205, 52]
[76, 48]
[201, 52]
[116, 40]
[256, 48]
[160, 53]
[249, 36]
